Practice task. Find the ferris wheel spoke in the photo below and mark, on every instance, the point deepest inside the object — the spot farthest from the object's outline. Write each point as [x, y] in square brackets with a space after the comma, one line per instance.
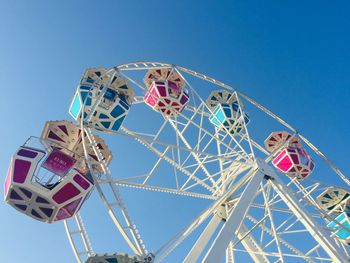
[172, 162]
[144, 141]
[160, 130]
[196, 157]
[264, 109]
[185, 232]
[272, 225]
[204, 104]
[251, 246]
[279, 238]
[151, 142]
[165, 190]
[327, 244]
[137, 246]
[155, 165]
[82, 249]
[141, 87]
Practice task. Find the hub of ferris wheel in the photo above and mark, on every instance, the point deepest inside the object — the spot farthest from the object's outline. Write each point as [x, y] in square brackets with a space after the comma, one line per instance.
[51, 177]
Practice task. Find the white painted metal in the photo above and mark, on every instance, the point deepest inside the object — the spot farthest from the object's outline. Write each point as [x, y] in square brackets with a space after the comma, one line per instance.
[234, 220]
[203, 240]
[138, 246]
[82, 236]
[311, 225]
[233, 230]
[248, 241]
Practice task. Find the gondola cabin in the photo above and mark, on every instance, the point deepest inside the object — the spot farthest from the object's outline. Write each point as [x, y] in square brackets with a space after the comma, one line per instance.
[166, 97]
[45, 184]
[295, 162]
[225, 112]
[289, 156]
[112, 94]
[229, 117]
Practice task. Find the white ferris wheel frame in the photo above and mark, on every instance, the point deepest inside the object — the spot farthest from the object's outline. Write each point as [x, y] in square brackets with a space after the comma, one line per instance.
[233, 230]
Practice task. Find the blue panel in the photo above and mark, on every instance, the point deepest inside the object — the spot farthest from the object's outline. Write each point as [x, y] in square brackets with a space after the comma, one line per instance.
[83, 95]
[341, 232]
[110, 94]
[118, 123]
[327, 196]
[105, 124]
[220, 115]
[75, 107]
[111, 260]
[214, 120]
[85, 87]
[117, 111]
[124, 104]
[228, 112]
[227, 125]
[103, 116]
[90, 80]
[235, 106]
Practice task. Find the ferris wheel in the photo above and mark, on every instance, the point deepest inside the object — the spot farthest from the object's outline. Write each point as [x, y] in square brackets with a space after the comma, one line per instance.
[271, 195]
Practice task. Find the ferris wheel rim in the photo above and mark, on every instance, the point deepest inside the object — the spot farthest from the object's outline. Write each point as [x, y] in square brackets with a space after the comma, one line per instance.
[264, 109]
[248, 98]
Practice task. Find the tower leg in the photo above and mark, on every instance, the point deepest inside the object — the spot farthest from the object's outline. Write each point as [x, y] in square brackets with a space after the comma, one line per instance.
[234, 220]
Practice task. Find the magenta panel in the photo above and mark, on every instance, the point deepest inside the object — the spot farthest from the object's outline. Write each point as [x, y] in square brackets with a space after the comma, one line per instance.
[162, 91]
[279, 157]
[81, 181]
[21, 171]
[150, 100]
[295, 158]
[8, 180]
[304, 174]
[59, 163]
[61, 214]
[183, 99]
[65, 193]
[68, 210]
[285, 164]
[173, 86]
[154, 93]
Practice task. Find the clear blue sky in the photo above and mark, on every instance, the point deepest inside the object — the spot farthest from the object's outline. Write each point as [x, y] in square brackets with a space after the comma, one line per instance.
[292, 56]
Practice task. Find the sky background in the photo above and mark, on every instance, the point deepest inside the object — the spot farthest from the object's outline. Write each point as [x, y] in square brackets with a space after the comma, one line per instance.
[291, 56]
